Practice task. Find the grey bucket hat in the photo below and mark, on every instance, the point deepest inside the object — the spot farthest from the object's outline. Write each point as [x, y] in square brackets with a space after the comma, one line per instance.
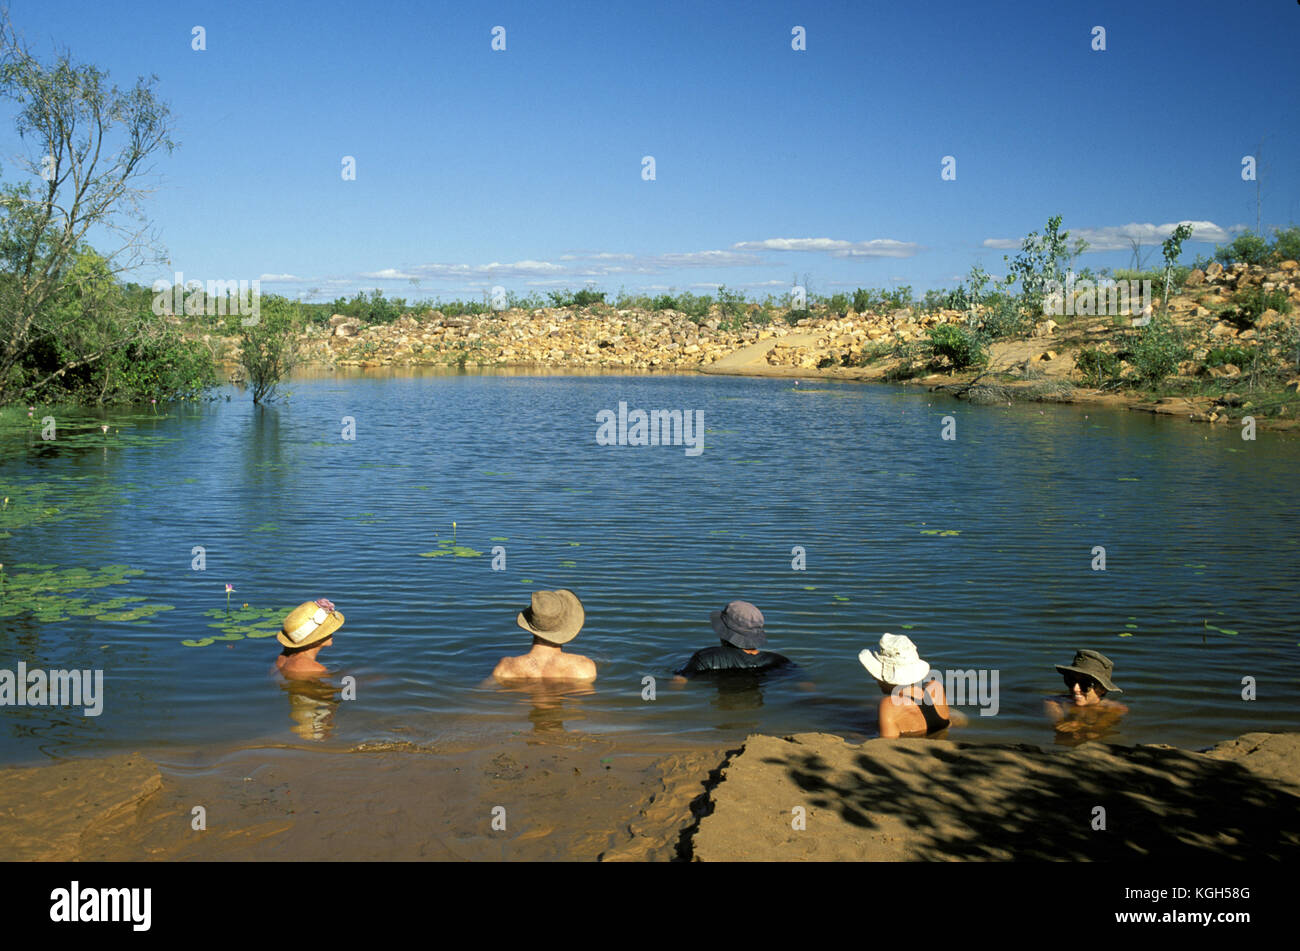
[1093, 664]
[740, 624]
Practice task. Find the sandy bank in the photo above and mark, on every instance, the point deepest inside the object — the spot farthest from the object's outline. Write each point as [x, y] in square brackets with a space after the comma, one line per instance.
[575, 797]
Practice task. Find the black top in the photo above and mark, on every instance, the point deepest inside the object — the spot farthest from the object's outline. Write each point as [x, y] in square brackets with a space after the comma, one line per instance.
[933, 722]
[726, 657]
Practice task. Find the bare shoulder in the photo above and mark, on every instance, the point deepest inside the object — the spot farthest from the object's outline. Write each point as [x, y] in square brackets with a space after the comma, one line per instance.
[582, 668]
[506, 668]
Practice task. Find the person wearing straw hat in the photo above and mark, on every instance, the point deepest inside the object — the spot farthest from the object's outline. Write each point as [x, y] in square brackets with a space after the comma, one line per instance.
[1084, 712]
[908, 705]
[553, 618]
[306, 630]
[740, 628]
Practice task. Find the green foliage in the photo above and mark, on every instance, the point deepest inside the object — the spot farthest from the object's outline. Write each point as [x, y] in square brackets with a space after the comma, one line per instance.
[838, 304]
[1253, 301]
[268, 353]
[1097, 366]
[961, 347]
[1286, 244]
[1041, 259]
[731, 303]
[1002, 316]
[1157, 351]
[1171, 249]
[863, 300]
[582, 298]
[1233, 353]
[1247, 247]
[694, 306]
[89, 142]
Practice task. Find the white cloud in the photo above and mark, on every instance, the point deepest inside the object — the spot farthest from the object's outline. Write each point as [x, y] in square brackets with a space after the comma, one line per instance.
[1118, 237]
[836, 247]
[279, 278]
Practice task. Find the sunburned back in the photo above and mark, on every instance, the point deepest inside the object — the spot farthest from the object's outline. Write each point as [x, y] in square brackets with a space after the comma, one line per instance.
[906, 715]
[553, 667]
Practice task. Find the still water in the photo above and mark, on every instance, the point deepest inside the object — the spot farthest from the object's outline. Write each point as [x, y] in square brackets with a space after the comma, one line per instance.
[981, 548]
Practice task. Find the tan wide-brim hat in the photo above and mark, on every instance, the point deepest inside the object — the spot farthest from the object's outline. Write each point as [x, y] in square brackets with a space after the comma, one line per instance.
[309, 623]
[554, 616]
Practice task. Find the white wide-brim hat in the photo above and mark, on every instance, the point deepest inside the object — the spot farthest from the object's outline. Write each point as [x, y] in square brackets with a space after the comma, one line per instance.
[896, 662]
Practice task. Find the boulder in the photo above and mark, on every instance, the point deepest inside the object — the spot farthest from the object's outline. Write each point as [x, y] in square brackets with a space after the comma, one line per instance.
[1195, 279]
[1214, 270]
[1045, 329]
[348, 328]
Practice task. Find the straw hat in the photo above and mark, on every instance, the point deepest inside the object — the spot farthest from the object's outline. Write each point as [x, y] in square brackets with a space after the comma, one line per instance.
[309, 623]
[554, 616]
[1093, 664]
[896, 662]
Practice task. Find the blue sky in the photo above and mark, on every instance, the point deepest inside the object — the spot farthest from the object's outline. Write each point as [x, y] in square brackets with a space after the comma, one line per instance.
[523, 168]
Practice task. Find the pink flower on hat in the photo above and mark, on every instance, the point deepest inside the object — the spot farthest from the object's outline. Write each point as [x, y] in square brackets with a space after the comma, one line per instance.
[327, 604]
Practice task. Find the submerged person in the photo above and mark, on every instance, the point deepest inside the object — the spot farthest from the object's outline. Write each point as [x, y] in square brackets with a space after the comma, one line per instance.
[306, 630]
[740, 627]
[908, 705]
[1085, 713]
[553, 618]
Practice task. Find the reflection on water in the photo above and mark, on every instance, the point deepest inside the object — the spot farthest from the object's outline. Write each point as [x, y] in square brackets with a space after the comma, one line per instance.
[550, 704]
[312, 702]
[980, 549]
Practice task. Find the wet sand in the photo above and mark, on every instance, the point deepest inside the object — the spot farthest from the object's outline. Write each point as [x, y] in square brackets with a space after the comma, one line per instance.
[582, 798]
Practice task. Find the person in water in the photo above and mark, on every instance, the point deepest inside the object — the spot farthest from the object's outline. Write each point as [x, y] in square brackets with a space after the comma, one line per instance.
[306, 631]
[553, 618]
[1085, 713]
[740, 627]
[908, 705]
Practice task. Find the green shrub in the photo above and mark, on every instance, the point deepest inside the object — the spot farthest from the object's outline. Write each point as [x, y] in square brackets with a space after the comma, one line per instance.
[1097, 366]
[268, 346]
[1247, 247]
[1233, 353]
[961, 347]
[664, 302]
[1002, 317]
[838, 304]
[731, 303]
[863, 300]
[1253, 301]
[1157, 352]
[899, 297]
[1286, 244]
[694, 306]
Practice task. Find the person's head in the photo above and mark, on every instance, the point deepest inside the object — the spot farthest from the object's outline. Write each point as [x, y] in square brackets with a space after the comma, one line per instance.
[739, 624]
[309, 626]
[1088, 678]
[552, 617]
[894, 663]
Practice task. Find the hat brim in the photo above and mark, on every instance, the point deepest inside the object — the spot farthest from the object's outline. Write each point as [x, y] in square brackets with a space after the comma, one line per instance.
[903, 676]
[327, 628]
[1100, 678]
[745, 640]
[574, 617]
